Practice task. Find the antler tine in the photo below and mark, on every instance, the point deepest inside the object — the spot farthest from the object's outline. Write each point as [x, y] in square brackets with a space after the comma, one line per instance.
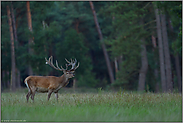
[77, 66]
[63, 68]
[73, 63]
[66, 66]
[50, 62]
[75, 60]
[67, 61]
[70, 62]
[46, 60]
[59, 67]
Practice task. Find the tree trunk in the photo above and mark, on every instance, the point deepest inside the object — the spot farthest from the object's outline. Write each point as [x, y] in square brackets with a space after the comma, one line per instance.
[154, 42]
[16, 45]
[110, 71]
[144, 67]
[14, 25]
[167, 54]
[18, 81]
[177, 65]
[155, 70]
[116, 66]
[144, 64]
[161, 54]
[13, 65]
[30, 72]
[8, 81]
[3, 81]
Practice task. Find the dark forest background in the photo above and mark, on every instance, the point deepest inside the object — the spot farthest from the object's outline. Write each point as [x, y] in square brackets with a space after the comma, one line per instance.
[120, 45]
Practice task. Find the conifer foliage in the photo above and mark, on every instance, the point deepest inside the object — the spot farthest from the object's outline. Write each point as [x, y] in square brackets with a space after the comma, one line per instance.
[31, 31]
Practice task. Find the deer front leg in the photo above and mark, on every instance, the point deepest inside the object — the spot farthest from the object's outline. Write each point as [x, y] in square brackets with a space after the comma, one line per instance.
[49, 94]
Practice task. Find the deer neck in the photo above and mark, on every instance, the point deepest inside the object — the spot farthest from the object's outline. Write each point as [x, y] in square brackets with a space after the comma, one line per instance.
[64, 79]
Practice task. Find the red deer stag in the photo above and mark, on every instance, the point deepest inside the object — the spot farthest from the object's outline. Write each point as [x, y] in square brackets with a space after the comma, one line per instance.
[49, 84]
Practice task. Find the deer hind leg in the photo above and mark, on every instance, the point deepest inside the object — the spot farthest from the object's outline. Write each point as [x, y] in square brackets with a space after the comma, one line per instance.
[56, 95]
[29, 89]
[33, 93]
[28, 95]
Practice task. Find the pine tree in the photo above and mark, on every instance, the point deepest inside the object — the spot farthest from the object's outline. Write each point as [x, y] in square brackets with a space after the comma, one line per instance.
[13, 64]
[161, 52]
[167, 54]
[30, 42]
[110, 71]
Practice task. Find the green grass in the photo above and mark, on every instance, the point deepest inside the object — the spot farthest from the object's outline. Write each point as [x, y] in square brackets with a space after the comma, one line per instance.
[102, 106]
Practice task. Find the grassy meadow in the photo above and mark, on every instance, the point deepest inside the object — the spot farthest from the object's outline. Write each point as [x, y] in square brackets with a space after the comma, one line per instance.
[98, 107]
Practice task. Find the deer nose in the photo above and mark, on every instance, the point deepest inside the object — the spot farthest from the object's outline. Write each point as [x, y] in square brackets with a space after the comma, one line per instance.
[73, 74]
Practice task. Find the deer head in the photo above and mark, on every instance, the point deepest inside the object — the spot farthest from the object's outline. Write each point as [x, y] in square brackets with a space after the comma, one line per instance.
[68, 73]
